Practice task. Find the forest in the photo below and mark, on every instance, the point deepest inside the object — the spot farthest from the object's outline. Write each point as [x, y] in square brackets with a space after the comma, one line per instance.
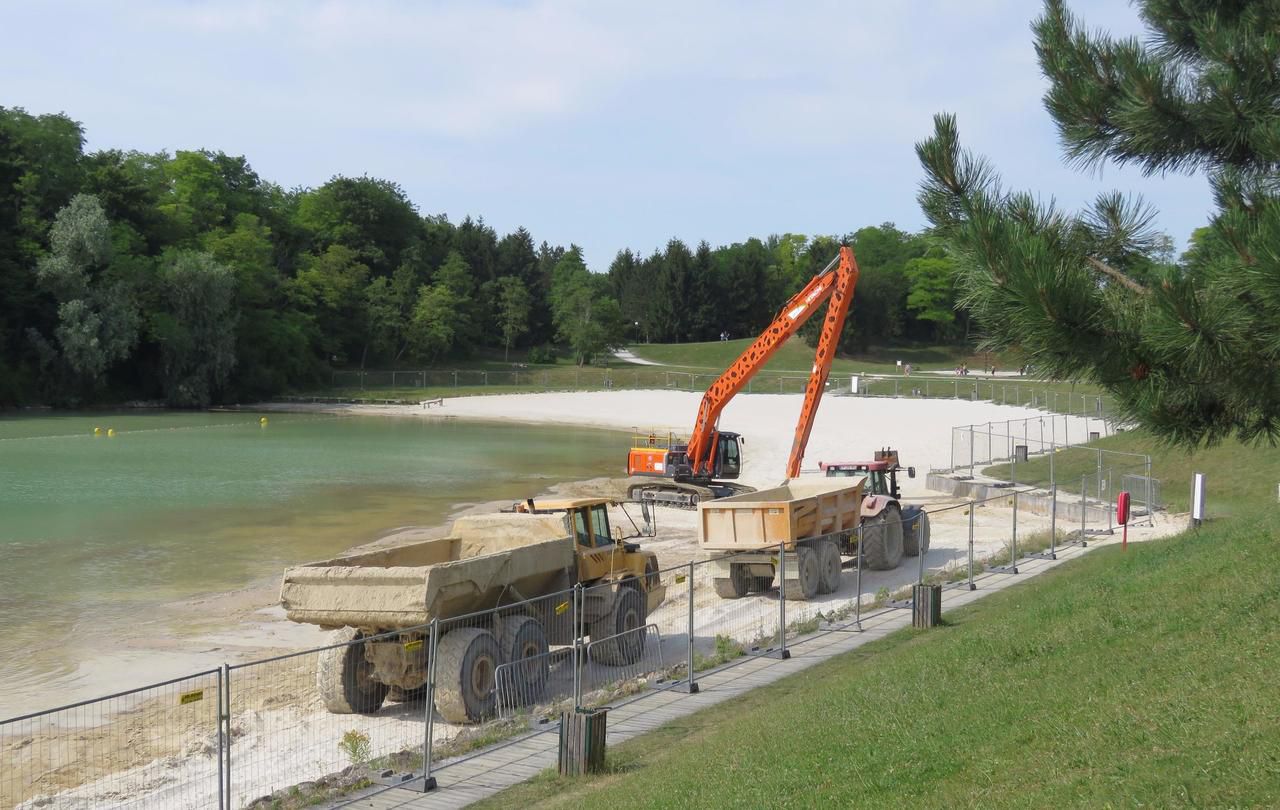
[189, 279]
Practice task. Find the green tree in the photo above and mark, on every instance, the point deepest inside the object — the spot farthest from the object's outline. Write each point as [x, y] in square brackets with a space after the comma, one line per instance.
[586, 317]
[98, 316]
[330, 290]
[512, 312]
[1195, 355]
[932, 296]
[196, 328]
[372, 218]
[434, 325]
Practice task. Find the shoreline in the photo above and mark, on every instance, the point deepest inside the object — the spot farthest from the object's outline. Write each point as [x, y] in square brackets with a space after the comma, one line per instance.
[240, 624]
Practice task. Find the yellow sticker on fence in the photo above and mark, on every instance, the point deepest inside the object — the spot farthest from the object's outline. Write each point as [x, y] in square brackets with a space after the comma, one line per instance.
[680, 579]
[190, 697]
[413, 646]
[561, 608]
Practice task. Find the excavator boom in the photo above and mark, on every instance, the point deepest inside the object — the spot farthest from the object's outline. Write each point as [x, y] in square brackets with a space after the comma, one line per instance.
[836, 281]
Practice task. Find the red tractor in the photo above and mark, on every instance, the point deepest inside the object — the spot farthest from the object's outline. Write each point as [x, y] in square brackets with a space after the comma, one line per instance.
[881, 506]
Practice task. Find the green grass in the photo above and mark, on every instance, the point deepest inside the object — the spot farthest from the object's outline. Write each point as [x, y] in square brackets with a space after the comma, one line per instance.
[1239, 479]
[1144, 678]
[794, 357]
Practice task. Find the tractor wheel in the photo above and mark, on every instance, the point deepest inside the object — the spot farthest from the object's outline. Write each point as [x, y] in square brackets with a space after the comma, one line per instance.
[736, 585]
[828, 566]
[807, 575]
[620, 634]
[524, 647]
[911, 545]
[468, 659]
[345, 679]
[882, 540]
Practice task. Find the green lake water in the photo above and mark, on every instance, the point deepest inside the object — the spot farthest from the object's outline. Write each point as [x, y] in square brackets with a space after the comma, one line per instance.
[97, 533]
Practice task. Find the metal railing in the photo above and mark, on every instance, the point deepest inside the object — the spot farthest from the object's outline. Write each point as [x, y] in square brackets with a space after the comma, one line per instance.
[319, 720]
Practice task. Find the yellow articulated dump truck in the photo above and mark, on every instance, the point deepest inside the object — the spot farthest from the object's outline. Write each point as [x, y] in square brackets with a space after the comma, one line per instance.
[487, 561]
[815, 523]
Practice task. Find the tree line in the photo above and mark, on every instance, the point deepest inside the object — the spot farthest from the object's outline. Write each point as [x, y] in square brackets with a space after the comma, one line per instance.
[188, 278]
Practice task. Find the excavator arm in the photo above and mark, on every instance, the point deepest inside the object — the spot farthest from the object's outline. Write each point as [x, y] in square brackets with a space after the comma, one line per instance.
[835, 282]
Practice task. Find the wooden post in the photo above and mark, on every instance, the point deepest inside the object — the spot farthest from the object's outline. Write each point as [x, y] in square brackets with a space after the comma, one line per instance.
[926, 605]
[582, 740]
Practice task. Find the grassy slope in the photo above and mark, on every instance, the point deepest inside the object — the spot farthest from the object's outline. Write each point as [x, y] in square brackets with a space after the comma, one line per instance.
[1145, 678]
[1239, 479]
[795, 357]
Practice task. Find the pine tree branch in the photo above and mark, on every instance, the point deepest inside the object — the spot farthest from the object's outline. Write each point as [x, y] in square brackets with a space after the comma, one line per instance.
[1117, 275]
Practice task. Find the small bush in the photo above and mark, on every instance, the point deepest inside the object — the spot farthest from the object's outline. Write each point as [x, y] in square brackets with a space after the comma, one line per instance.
[543, 355]
[355, 744]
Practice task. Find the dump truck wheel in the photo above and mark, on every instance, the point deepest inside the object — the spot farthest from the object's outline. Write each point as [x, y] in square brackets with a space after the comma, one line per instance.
[882, 540]
[807, 575]
[736, 585]
[828, 567]
[345, 679]
[628, 614]
[468, 659]
[910, 542]
[761, 584]
[524, 648]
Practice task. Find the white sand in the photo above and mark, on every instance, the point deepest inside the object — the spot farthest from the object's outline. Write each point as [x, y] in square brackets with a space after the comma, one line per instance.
[847, 428]
[293, 740]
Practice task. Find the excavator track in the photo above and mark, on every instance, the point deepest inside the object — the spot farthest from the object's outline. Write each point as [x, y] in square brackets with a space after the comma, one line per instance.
[682, 495]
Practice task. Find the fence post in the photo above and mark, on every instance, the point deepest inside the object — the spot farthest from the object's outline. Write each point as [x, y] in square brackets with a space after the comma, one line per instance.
[455, 379]
[973, 505]
[783, 652]
[223, 722]
[577, 655]
[429, 781]
[1099, 474]
[1013, 553]
[1108, 501]
[1084, 507]
[920, 546]
[857, 603]
[895, 388]
[970, 451]
[693, 684]
[1053, 521]
[226, 751]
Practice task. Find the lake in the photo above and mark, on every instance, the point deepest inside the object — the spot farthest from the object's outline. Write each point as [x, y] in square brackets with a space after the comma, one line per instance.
[98, 533]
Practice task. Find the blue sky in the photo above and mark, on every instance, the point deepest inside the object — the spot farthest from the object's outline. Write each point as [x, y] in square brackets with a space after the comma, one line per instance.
[607, 124]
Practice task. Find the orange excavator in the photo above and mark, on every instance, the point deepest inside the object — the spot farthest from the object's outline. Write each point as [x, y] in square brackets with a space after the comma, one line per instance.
[693, 471]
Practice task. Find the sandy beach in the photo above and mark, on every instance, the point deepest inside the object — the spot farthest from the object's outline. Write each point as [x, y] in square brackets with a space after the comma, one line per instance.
[247, 624]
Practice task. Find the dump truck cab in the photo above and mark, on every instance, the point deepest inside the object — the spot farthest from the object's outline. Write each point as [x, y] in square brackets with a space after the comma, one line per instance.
[604, 552]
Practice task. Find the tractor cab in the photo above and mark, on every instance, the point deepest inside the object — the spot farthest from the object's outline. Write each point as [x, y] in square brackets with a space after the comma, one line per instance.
[881, 474]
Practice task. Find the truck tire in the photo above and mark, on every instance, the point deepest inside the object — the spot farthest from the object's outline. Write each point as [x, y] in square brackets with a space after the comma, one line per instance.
[523, 642]
[345, 679]
[910, 542]
[612, 640]
[736, 585]
[882, 540]
[805, 585]
[468, 659]
[828, 566]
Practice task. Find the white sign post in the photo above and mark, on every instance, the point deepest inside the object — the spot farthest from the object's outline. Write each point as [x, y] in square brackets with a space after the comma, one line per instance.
[1197, 499]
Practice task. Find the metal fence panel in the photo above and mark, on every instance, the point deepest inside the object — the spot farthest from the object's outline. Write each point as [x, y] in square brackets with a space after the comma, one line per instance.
[153, 747]
[310, 715]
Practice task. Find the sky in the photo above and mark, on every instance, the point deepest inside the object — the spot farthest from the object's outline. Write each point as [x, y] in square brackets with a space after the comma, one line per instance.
[609, 125]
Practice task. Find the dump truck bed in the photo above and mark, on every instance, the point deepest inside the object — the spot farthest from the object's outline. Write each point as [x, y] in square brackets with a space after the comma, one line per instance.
[486, 560]
[796, 511]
